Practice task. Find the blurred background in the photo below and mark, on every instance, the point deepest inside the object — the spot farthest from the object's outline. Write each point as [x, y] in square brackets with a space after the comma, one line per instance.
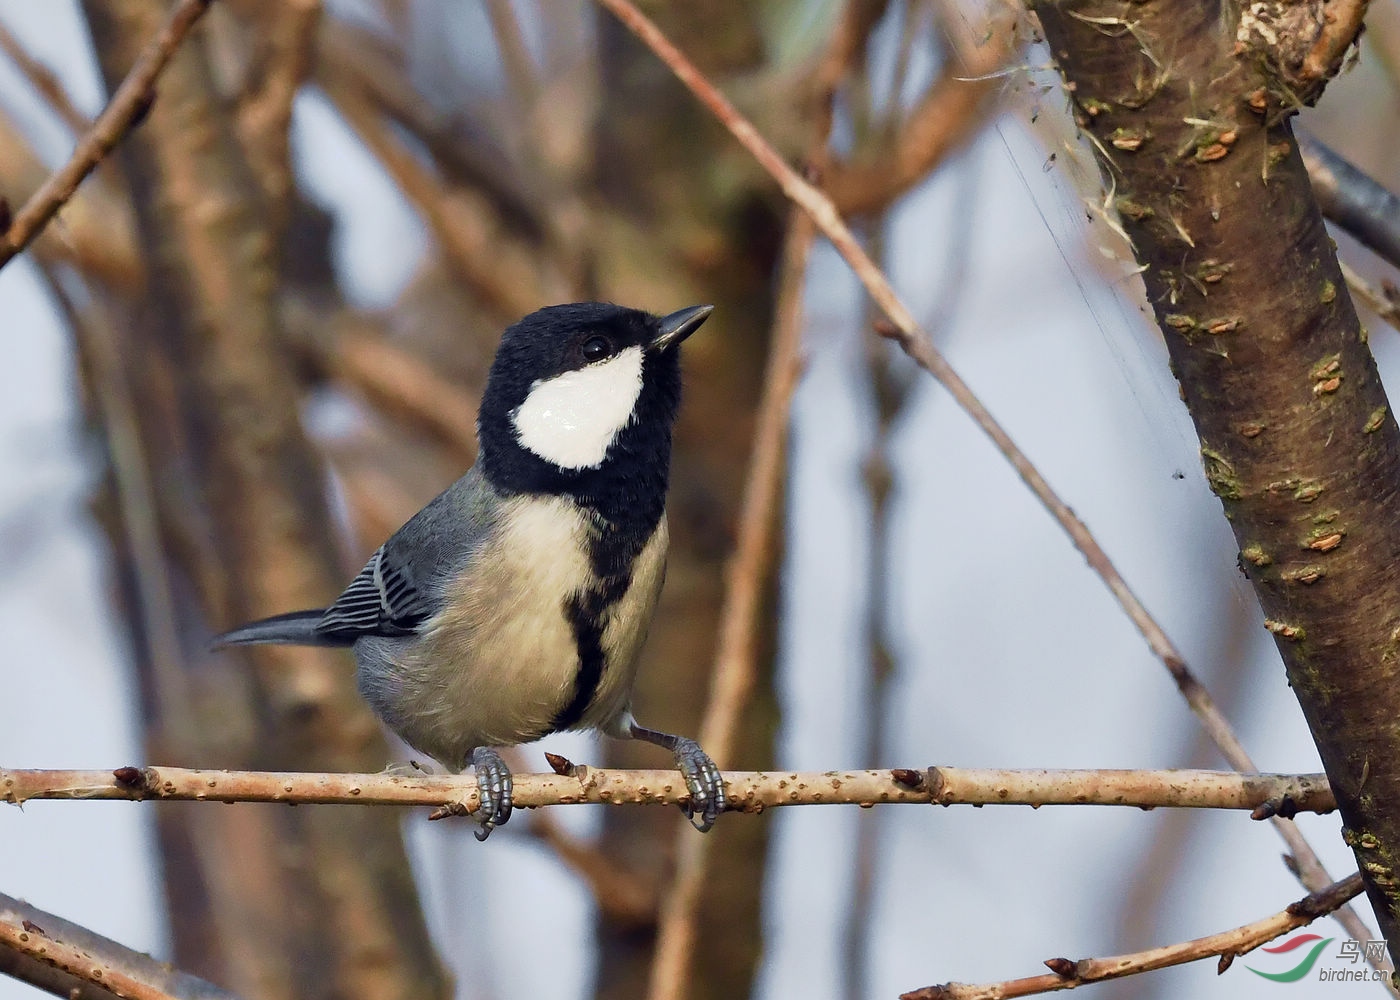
[253, 344]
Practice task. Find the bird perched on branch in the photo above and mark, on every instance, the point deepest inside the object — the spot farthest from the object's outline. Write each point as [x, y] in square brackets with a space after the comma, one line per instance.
[515, 604]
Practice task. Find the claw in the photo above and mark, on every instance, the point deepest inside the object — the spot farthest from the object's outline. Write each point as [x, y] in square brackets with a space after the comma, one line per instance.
[702, 777]
[493, 784]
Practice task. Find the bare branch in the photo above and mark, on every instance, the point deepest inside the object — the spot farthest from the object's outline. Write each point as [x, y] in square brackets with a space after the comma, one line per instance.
[126, 107]
[749, 791]
[751, 565]
[917, 342]
[945, 117]
[1066, 974]
[1341, 27]
[69, 960]
[43, 80]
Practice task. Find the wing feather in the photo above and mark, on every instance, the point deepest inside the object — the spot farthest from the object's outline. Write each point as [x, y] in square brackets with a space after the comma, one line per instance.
[382, 600]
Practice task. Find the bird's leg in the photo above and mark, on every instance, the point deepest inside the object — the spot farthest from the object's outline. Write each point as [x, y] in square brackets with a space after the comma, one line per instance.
[493, 784]
[702, 778]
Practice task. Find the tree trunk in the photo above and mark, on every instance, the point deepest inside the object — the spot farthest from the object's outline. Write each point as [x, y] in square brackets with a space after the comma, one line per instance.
[1189, 106]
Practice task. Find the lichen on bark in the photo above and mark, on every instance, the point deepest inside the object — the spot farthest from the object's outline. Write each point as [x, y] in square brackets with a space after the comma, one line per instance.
[1297, 437]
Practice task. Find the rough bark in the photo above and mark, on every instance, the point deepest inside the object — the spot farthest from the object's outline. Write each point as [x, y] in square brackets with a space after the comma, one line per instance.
[1189, 104]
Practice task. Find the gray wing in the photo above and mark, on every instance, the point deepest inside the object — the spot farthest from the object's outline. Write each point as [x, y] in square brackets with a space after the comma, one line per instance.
[402, 585]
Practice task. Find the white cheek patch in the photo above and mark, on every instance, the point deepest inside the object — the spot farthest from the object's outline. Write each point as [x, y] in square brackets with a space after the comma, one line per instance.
[573, 418]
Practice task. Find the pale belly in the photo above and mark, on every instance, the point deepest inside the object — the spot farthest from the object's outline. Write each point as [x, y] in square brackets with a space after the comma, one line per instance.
[499, 663]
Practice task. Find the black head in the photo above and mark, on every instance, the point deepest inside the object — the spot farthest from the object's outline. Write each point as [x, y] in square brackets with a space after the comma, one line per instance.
[580, 401]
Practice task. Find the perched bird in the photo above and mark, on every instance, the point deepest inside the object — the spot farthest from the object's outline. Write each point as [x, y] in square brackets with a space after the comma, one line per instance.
[515, 604]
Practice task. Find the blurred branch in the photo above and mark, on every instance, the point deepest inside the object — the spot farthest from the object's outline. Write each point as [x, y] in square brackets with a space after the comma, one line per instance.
[471, 232]
[265, 114]
[515, 57]
[1066, 974]
[916, 341]
[399, 383]
[750, 567]
[749, 791]
[947, 115]
[1352, 198]
[351, 57]
[96, 233]
[68, 960]
[128, 104]
[620, 894]
[1383, 301]
[43, 80]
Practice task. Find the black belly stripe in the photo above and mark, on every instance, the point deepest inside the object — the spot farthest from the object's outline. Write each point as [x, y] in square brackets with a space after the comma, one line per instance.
[588, 616]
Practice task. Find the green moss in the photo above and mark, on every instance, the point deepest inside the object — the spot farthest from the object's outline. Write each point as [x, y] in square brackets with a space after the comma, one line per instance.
[1220, 474]
[1254, 553]
[1308, 490]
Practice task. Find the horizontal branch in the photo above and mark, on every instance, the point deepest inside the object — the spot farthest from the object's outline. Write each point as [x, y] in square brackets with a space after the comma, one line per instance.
[748, 791]
[1066, 975]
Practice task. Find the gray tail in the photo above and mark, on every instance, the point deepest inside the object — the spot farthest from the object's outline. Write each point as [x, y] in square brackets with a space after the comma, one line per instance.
[295, 629]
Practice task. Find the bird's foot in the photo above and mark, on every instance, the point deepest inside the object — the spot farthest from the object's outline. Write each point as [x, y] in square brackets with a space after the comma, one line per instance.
[493, 784]
[702, 777]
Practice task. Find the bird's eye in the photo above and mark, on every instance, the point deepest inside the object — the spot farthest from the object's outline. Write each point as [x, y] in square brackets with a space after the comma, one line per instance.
[596, 348]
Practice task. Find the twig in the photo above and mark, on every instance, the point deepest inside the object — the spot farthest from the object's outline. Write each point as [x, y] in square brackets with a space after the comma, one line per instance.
[1341, 27]
[42, 79]
[515, 56]
[127, 105]
[1228, 945]
[735, 668]
[749, 791]
[944, 118]
[1383, 301]
[917, 343]
[468, 229]
[397, 382]
[53, 953]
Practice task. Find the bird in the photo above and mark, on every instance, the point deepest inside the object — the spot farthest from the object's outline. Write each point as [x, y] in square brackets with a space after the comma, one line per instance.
[516, 603]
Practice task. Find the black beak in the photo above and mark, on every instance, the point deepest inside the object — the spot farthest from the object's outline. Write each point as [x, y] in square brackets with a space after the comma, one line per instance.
[679, 325]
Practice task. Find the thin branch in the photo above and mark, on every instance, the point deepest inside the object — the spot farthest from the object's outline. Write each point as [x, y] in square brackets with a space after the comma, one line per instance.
[1341, 26]
[1066, 974]
[917, 342]
[622, 896]
[69, 960]
[43, 80]
[470, 232]
[946, 116]
[515, 55]
[1383, 301]
[749, 568]
[130, 102]
[749, 791]
[399, 383]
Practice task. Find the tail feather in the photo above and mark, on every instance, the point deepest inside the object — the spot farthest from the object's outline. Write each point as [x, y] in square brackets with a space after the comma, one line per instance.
[295, 629]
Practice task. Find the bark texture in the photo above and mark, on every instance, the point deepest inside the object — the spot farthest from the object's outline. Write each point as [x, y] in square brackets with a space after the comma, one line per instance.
[315, 904]
[1189, 107]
